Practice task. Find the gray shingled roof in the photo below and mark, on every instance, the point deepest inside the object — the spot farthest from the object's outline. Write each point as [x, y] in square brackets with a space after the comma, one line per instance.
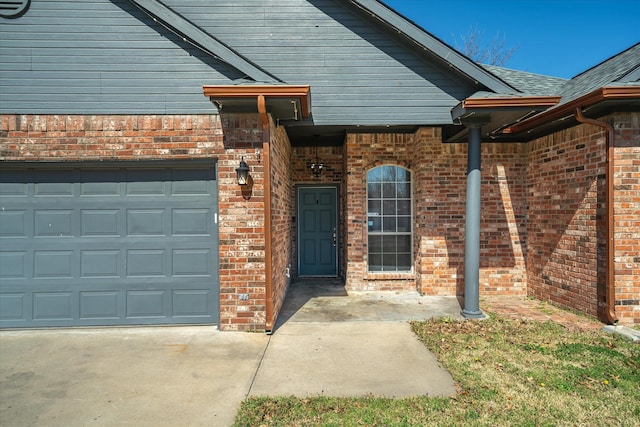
[620, 70]
[527, 83]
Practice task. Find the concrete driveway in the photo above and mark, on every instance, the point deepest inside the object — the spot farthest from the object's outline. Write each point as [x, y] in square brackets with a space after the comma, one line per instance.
[164, 376]
[326, 343]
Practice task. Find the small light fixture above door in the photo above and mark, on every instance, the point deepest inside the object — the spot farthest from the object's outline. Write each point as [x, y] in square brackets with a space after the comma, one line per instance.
[316, 166]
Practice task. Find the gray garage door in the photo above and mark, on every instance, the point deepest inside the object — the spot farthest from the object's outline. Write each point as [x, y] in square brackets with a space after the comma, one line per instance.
[108, 245]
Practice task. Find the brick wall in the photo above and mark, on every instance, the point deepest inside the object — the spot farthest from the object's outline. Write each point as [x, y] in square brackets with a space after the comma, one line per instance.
[439, 188]
[440, 198]
[242, 240]
[282, 211]
[627, 211]
[565, 233]
[170, 137]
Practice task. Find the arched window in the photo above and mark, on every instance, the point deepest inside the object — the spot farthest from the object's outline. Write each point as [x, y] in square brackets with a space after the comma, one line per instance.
[389, 219]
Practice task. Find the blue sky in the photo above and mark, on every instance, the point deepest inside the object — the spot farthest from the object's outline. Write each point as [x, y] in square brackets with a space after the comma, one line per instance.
[559, 38]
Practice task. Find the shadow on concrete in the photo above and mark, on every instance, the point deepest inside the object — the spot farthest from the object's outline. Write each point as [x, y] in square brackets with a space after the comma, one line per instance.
[302, 291]
[327, 300]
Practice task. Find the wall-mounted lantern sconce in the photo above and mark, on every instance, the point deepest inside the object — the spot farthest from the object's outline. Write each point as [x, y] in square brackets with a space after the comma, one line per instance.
[316, 166]
[243, 173]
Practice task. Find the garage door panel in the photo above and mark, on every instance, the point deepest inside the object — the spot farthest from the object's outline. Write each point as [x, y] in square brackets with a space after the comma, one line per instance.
[13, 223]
[100, 263]
[96, 251]
[100, 222]
[52, 305]
[100, 305]
[146, 304]
[191, 262]
[101, 182]
[191, 222]
[55, 182]
[13, 265]
[145, 222]
[13, 307]
[55, 223]
[53, 264]
[191, 303]
[146, 262]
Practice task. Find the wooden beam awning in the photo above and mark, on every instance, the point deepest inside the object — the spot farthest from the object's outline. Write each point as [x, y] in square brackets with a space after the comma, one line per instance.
[301, 94]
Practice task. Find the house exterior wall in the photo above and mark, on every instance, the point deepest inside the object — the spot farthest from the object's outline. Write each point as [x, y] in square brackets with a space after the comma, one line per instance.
[282, 212]
[627, 216]
[542, 219]
[566, 200]
[566, 256]
[439, 188]
[77, 138]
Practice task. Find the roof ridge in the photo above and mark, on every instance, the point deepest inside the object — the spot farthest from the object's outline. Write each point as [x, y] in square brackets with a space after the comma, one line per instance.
[524, 72]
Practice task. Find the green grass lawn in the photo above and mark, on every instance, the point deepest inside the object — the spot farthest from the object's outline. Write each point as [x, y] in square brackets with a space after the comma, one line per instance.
[509, 373]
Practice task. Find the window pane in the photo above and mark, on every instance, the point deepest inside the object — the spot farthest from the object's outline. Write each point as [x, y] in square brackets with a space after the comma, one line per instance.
[375, 262]
[404, 207]
[375, 244]
[402, 175]
[389, 173]
[404, 244]
[375, 175]
[374, 207]
[389, 262]
[404, 262]
[389, 207]
[389, 190]
[404, 224]
[375, 223]
[389, 224]
[389, 244]
[403, 190]
[375, 191]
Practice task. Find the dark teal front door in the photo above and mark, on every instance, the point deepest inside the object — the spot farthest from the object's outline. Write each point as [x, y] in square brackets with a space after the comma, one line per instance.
[317, 232]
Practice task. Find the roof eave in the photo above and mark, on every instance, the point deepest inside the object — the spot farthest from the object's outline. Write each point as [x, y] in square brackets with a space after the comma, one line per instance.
[511, 102]
[565, 110]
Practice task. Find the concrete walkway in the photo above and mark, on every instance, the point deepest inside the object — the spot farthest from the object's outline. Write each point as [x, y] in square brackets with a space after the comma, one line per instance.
[326, 343]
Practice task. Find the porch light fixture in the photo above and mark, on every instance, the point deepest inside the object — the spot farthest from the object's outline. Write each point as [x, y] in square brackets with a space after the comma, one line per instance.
[242, 172]
[316, 166]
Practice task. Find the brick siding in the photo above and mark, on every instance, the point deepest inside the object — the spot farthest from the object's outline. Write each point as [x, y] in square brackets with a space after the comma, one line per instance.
[282, 212]
[627, 216]
[566, 229]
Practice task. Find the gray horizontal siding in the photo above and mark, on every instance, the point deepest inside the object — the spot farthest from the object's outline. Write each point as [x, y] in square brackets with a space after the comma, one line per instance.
[358, 73]
[97, 57]
[106, 57]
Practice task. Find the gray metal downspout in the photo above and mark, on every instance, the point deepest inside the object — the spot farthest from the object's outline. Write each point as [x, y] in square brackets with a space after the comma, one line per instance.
[472, 228]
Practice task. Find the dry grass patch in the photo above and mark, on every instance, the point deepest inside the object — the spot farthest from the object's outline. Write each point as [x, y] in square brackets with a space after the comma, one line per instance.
[509, 372]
